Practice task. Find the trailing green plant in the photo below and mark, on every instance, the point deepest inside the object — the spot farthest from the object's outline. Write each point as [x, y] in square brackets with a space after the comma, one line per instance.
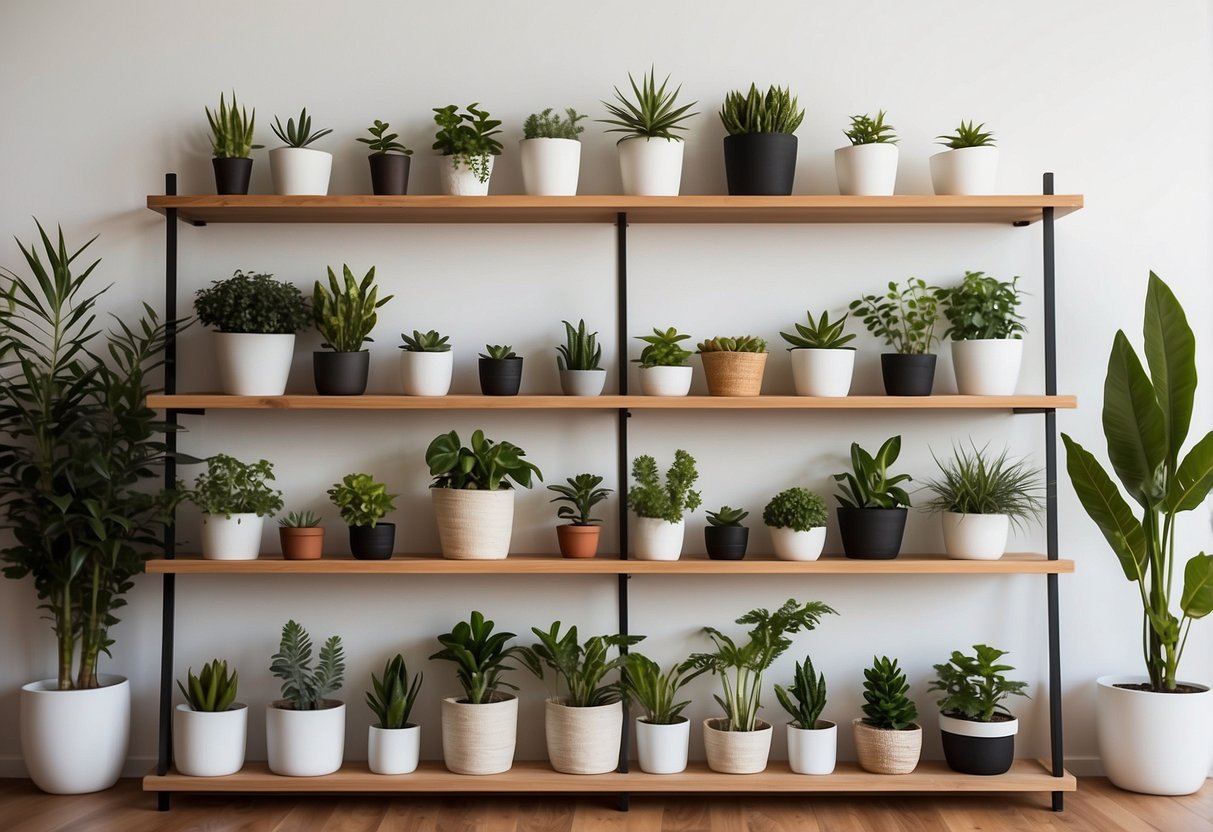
[967, 135]
[484, 466]
[806, 698]
[498, 352]
[740, 667]
[300, 135]
[887, 704]
[798, 509]
[868, 484]
[229, 486]
[382, 142]
[776, 112]
[904, 318]
[1146, 418]
[974, 687]
[652, 114]
[663, 349]
[974, 482]
[303, 688]
[582, 493]
[345, 315]
[212, 690]
[581, 668]
[580, 350]
[249, 302]
[739, 343]
[468, 137]
[481, 658]
[549, 125]
[982, 307]
[820, 334]
[727, 516]
[654, 690]
[867, 130]
[231, 130]
[300, 520]
[391, 698]
[425, 342]
[650, 498]
[361, 500]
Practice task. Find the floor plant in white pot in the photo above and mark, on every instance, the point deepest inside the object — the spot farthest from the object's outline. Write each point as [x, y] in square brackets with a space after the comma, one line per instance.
[660, 508]
[868, 165]
[550, 153]
[466, 146]
[664, 370]
[296, 168]
[394, 743]
[797, 520]
[305, 729]
[579, 360]
[812, 741]
[978, 731]
[663, 734]
[235, 498]
[888, 740]
[345, 313]
[426, 363]
[969, 165]
[822, 364]
[650, 153]
[210, 728]
[986, 333]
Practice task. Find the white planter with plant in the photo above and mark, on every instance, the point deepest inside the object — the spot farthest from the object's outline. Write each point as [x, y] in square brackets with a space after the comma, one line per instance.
[887, 738]
[660, 507]
[733, 366]
[394, 743]
[426, 364]
[235, 500]
[760, 150]
[904, 318]
[579, 360]
[467, 147]
[812, 741]
[821, 363]
[345, 313]
[650, 154]
[550, 153]
[797, 520]
[305, 729]
[868, 165]
[969, 166]
[986, 333]
[663, 734]
[978, 731]
[211, 727]
[664, 370]
[579, 537]
[296, 169]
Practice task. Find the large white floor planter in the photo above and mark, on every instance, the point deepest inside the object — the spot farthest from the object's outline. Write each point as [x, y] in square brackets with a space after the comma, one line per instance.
[975, 536]
[737, 752]
[75, 741]
[550, 167]
[651, 167]
[209, 743]
[1154, 743]
[300, 171]
[426, 373]
[656, 539]
[456, 177]
[583, 740]
[474, 525]
[665, 381]
[479, 739]
[965, 170]
[237, 537]
[813, 750]
[987, 366]
[866, 169]
[790, 544]
[663, 749]
[817, 372]
[305, 743]
[254, 363]
[393, 750]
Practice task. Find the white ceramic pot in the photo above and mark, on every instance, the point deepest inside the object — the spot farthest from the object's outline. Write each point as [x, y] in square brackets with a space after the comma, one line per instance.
[987, 366]
[866, 169]
[305, 743]
[817, 372]
[393, 750]
[550, 166]
[209, 743]
[301, 171]
[662, 749]
[75, 741]
[665, 381]
[582, 382]
[479, 739]
[966, 170]
[737, 752]
[656, 539]
[790, 544]
[426, 373]
[583, 740]
[1154, 743]
[975, 536]
[231, 538]
[474, 525]
[651, 167]
[456, 177]
[254, 363]
[813, 750]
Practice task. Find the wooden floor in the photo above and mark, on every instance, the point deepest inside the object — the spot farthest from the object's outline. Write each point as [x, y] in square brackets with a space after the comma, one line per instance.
[1096, 807]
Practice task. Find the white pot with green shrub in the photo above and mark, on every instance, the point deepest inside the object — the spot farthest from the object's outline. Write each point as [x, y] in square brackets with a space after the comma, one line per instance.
[579, 360]
[970, 164]
[663, 734]
[393, 743]
[822, 364]
[660, 507]
[887, 738]
[797, 520]
[664, 367]
[650, 154]
[296, 168]
[426, 364]
[305, 729]
[466, 146]
[550, 153]
[235, 500]
[210, 728]
[812, 741]
[868, 165]
[986, 333]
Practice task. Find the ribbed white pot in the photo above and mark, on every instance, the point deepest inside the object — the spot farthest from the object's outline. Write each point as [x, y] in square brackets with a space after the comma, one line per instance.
[975, 536]
[456, 178]
[75, 741]
[665, 381]
[817, 372]
[300, 171]
[656, 539]
[582, 382]
[209, 743]
[987, 366]
[473, 525]
[393, 750]
[479, 739]
[305, 743]
[790, 544]
[583, 740]
[813, 750]
[651, 167]
[965, 170]
[426, 373]
[663, 749]
[866, 169]
[254, 363]
[550, 166]
[231, 538]
[737, 752]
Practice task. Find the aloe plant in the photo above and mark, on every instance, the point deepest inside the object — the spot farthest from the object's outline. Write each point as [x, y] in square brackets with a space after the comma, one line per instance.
[300, 520]
[345, 315]
[820, 334]
[580, 350]
[391, 698]
[212, 690]
[425, 342]
[652, 114]
[806, 698]
[231, 130]
[727, 516]
[303, 688]
[775, 112]
[300, 135]
[867, 130]
[498, 352]
[968, 135]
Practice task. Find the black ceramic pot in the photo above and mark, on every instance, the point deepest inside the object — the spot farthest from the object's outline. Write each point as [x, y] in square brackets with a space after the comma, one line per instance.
[907, 375]
[373, 542]
[871, 533]
[500, 376]
[341, 373]
[760, 164]
[726, 542]
[232, 175]
[986, 756]
[389, 173]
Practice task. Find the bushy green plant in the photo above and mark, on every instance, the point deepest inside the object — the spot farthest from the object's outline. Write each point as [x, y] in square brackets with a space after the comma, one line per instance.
[727, 516]
[974, 687]
[868, 484]
[485, 465]
[212, 690]
[867, 130]
[361, 500]
[663, 349]
[229, 486]
[580, 350]
[249, 302]
[581, 668]
[481, 658]
[425, 342]
[391, 698]
[300, 135]
[887, 704]
[982, 307]
[381, 141]
[806, 698]
[655, 691]
[468, 137]
[739, 343]
[820, 334]
[649, 498]
[346, 314]
[967, 135]
[498, 352]
[300, 520]
[303, 688]
[974, 482]
[652, 115]
[582, 493]
[798, 509]
[903, 318]
[549, 125]
[231, 130]
[752, 112]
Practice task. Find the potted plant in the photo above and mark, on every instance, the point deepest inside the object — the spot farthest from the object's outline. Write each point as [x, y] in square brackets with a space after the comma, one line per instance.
[1153, 730]
[305, 729]
[500, 370]
[660, 507]
[466, 143]
[579, 361]
[232, 146]
[905, 320]
[256, 318]
[551, 153]
[363, 503]
[664, 370]
[472, 494]
[394, 744]
[210, 728]
[733, 366]
[296, 169]
[344, 318]
[650, 154]
[583, 725]
[822, 364]
[868, 165]
[579, 537]
[872, 506]
[235, 500]
[978, 497]
[797, 520]
[986, 333]
[663, 734]
[426, 363]
[812, 741]
[724, 537]
[887, 738]
[969, 165]
[978, 731]
[740, 742]
[480, 728]
[301, 536]
[389, 160]
[760, 150]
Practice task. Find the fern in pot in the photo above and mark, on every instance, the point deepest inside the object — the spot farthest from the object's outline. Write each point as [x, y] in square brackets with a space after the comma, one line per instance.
[650, 152]
[760, 148]
[345, 313]
[812, 741]
[393, 743]
[210, 727]
[550, 152]
[663, 734]
[986, 333]
[867, 166]
[235, 498]
[660, 507]
[305, 729]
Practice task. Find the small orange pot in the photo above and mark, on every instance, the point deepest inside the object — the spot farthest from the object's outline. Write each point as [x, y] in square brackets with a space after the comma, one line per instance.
[301, 543]
[578, 541]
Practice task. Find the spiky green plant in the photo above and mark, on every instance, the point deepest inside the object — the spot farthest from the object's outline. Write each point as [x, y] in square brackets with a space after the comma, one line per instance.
[967, 135]
[868, 484]
[498, 352]
[727, 516]
[549, 125]
[381, 141]
[867, 130]
[650, 498]
[582, 493]
[798, 509]
[887, 704]
[303, 688]
[663, 349]
[974, 482]
[425, 342]
[229, 486]
[655, 691]
[806, 698]
[345, 315]
[974, 687]
[652, 114]
[820, 334]
[738, 343]
[582, 668]
[480, 657]
[212, 690]
[300, 520]
[391, 698]
[300, 135]
[580, 350]
[775, 112]
[231, 130]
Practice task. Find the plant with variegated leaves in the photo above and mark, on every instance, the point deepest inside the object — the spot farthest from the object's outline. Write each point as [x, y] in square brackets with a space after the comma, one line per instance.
[346, 314]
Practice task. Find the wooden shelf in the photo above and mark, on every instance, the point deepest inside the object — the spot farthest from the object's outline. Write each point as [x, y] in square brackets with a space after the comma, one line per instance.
[1003, 209]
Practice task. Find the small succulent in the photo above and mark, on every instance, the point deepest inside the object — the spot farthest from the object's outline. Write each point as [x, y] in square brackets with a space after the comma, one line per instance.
[885, 693]
[425, 342]
[582, 493]
[498, 352]
[231, 130]
[211, 690]
[727, 516]
[381, 141]
[663, 349]
[298, 135]
[775, 112]
[300, 520]
[968, 135]
[820, 334]
[867, 130]
[739, 343]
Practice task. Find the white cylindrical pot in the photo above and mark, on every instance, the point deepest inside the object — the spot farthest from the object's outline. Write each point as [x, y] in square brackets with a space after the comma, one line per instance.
[75, 741]
[790, 544]
[975, 536]
[300, 171]
[254, 363]
[866, 169]
[965, 170]
[1154, 743]
[456, 177]
[550, 166]
[662, 749]
[209, 743]
[665, 381]
[987, 366]
[582, 382]
[474, 525]
[231, 538]
[393, 750]
[426, 373]
[305, 743]
[818, 372]
[657, 539]
[583, 740]
[479, 739]
[651, 167]
[737, 752]
[813, 750]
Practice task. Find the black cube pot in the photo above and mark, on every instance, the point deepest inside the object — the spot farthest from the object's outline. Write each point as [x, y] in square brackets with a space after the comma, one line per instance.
[982, 748]
[389, 173]
[500, 376]
[871, 533]
[341, 373]
[373, 542]
[232, 175]
[726, 542]
[907, 375]
[760, 164]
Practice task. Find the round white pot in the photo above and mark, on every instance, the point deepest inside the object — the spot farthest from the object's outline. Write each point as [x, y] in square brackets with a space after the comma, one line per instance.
[550, 166]
[817, 372]
[456, 178]
[790, 544]
[866, 169]
[582, 382]
[254, 363]
[305, 743]
[662, 749]
[75, 741]
[813, 750]
[987, 366]
[737, 752]
[231, 538]
[975, 536]
[656, 539]
[474, 525]
[479, 739]
[301, 171]
[966, 170]
[209, 743]
[651, 167]
[426, 373]
[583, 740]
[1154, 743]
[393, 750]
[665, 381]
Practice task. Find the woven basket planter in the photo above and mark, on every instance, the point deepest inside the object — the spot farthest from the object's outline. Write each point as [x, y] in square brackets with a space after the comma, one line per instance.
[479, 739]
[473, 525]
[737, 752]
[583, 740]
[734, 373]
[887, 752]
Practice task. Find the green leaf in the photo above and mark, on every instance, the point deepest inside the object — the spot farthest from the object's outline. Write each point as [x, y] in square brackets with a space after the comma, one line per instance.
[1197, 599]
[1194, 479]
[1133, 423]
[1105, 505]
[1171, 354]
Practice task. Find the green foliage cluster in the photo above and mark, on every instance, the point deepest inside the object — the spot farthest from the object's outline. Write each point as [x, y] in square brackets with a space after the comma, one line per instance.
[229, 486]
[485, 466]
[300, 520]
[967, 135]
[727, 516]
[212, 690]
[381, 141]
[580, 350]
[231, 130]
[361, 500]
[582, 493]
[303, 688]
[868, 484]
[652, 114]
[425, 342]
[249, 302]
[776, 112]
[300, 135]
[498, 352]
[345, 315]
[867, 130]
[974, 482]
[820, 334]
[806, 698]
[663, 349]
[392, 698]
[982, 307]
[649, 498]
[468, 137]
[974, 687]
[903, 318]
[798, 509]
[549, 125]
[581, 668]
[480, 657]
[738, 343]
[655, 691]
[887, 704]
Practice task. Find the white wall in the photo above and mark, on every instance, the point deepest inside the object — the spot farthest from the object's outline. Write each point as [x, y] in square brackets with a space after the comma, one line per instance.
[101, 99]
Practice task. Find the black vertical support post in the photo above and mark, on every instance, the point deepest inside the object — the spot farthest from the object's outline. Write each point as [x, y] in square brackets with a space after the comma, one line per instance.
[621, 327]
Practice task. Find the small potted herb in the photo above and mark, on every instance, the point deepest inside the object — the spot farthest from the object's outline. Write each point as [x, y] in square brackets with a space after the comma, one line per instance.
[305, 729]
[887, 738]
[969, 165]
[426, 363]
[363, 503]
[872, 504]
[986, 333]
[724, 536]
[868, 165]
[393, 743]
[296, 168]
[301, 536]
[500, 370]
[978, 731]
[232, 146]
[812, 741]
[905, 320]
[210, 729]
[650, 153]
[551, 153]
[465, 141]
[760, 150]
[797, 520]
[822, 363]
[579, 537]
[663, 734]
[389, 160]
[733, 366]
[664, 370]
[579, 360]
[345, 313]
[660, 507]
[235, 500]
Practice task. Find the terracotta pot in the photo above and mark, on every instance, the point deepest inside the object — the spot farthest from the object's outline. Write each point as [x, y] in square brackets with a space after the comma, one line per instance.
[305, 543]
[578, 541]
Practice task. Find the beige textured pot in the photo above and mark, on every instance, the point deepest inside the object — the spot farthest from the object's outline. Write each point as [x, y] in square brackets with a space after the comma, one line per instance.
[583, 740]
[474, 525]
[734, 373]
[736, 752]
[887, 752]
[479, 739]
